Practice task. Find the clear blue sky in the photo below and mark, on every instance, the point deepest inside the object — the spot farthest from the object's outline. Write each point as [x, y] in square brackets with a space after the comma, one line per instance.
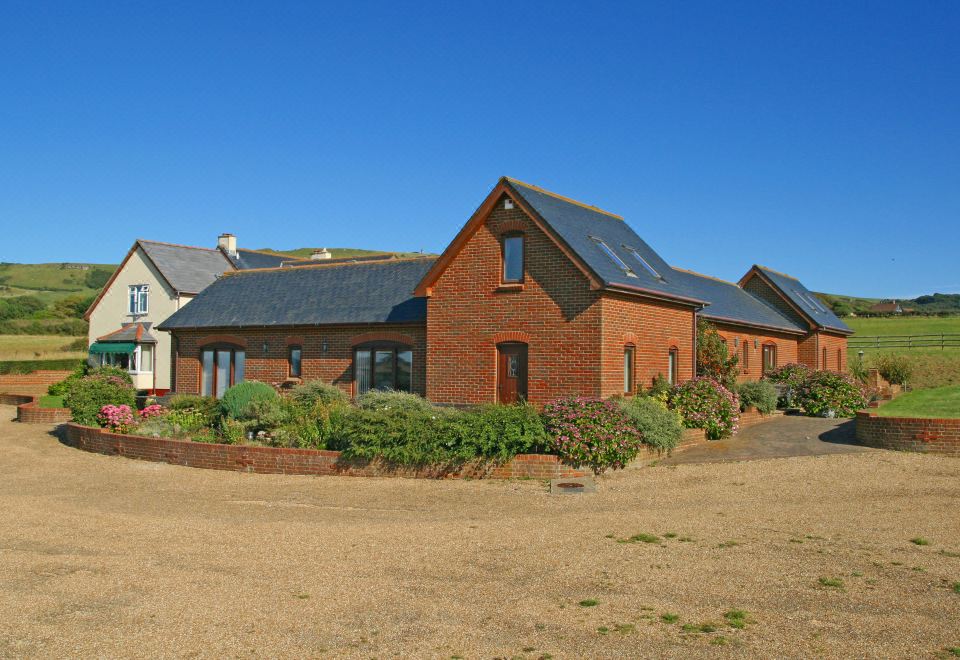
[821, 139]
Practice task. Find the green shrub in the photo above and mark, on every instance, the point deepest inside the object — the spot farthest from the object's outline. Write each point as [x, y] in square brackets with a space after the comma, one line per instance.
[59, 389]
[316, 392]
[704, 403]
[661, 388]
[393, 400]
[660, 427]
[86, 396]
[792, 374]
[713, 359]
[236, 401]
[593, 432]
[761, 394]
[29, 366]
[499, 432]
[895, 368]
[830, 394]
[401, 436]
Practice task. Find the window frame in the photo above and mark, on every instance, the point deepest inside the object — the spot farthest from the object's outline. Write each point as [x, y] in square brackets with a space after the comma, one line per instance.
[825, 366]
[503, 256]
[290, 350]
[839, 359]
[745, 355]
[217, 349]
[613, 256]
[673, 365]
[768, 348]
[629, 368]
[138, 299]
[643, 262]
[373, 348]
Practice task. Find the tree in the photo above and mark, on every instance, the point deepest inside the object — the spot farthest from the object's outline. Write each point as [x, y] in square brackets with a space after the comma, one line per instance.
[713, 359]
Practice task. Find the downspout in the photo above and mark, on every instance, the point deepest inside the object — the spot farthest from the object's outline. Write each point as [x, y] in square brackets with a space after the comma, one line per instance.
[695, 311]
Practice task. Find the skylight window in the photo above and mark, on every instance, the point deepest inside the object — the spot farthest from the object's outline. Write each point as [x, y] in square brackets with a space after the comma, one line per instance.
[643, 262]
[810, 300]
[613, 257]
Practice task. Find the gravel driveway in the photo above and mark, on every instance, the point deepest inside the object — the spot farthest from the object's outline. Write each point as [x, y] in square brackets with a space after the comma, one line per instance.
[105, 556]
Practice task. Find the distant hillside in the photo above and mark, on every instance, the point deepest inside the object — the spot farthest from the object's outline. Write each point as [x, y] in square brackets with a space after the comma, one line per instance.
[937, 303]
[337, 253]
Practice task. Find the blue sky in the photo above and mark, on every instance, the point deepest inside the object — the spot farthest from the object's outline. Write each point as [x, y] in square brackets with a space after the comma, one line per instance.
[821, 139]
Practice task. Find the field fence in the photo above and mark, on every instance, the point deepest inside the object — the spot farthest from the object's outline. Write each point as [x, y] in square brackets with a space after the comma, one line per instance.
[879, 342]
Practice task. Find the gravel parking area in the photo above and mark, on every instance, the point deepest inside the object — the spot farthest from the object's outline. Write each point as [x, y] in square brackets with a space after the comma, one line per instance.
[105, 556]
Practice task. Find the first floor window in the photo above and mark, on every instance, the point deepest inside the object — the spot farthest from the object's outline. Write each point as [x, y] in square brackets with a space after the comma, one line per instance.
[139, 295]
[382, 368]
[512, 258]
[296, 353]
[769, 358]
[121, 360]
[824, 365]
[221, 368]
[628, 369]
[839, 359]
[746, 356]
[672, 366]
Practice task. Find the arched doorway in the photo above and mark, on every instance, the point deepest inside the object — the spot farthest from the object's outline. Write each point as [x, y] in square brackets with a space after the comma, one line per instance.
[511, 372]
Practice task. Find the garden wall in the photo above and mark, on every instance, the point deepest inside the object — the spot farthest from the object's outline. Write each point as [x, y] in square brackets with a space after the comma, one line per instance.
[279, 460]
[30, 412]
[35, 383]
[930, 436]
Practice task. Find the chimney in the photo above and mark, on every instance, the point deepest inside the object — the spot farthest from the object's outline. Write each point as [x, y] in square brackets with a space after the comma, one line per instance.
[228, 243]
[320, 255]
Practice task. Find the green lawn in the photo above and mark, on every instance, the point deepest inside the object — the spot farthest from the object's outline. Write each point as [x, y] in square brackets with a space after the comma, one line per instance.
[50, 401]
[904, 325]
[937, 402]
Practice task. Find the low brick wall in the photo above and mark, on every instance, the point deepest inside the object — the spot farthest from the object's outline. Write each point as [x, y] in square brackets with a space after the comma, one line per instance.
[930, 436]
[749, 418]
[33, 383]
[30, 412]
[278, 460]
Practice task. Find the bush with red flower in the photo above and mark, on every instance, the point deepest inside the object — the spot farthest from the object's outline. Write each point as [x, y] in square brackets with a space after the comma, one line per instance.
[592, 432]
[119, 419]
[153, 410]
[830, 394]
[704, 403]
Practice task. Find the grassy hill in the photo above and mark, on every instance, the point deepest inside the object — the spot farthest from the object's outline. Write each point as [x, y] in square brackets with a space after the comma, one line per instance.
[937, 303]
[337, 253]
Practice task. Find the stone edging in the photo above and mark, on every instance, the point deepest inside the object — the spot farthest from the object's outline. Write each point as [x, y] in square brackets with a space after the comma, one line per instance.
[281, 460]
[30, 412]
[926, 435]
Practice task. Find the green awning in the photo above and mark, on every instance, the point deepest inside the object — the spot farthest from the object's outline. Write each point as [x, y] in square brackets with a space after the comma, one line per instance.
[112, 347]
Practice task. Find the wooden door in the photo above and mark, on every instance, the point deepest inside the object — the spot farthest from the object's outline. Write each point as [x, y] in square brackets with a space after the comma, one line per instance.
[511, 373]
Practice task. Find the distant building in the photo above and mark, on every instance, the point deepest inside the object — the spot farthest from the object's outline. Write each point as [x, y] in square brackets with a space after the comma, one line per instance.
[892, 307]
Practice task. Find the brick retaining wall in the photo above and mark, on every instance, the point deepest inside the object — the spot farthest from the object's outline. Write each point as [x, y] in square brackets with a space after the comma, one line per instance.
[33, 383]
[930, 436]
[30, 412]
[279, 460]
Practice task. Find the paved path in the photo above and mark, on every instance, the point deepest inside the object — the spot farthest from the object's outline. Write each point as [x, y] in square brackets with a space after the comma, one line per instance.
[780, 438]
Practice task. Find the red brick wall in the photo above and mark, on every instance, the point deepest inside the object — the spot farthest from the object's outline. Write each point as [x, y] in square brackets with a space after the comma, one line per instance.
[278, 460]
[333, 366]
[931, 436]
[653, 328]
[34, 383]
[811, 351]
[32, 413]
[787, 348]
[468, 313]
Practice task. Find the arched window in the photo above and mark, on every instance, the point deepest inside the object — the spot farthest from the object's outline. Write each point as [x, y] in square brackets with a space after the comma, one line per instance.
[673, 358]
[628, 379]
[382, 366]
[839, 359]
[824, 363]
[294, 361]
[220, 367]
[746, 356]
[769, 358]
[512, 258]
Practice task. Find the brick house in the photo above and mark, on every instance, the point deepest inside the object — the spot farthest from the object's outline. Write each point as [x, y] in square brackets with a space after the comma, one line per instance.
[536, 297]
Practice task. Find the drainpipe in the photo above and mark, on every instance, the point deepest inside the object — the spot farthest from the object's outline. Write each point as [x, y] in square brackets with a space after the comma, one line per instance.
[695, 312]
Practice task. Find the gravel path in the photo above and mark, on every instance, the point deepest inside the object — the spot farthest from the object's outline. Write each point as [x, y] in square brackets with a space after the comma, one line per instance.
[105, 556]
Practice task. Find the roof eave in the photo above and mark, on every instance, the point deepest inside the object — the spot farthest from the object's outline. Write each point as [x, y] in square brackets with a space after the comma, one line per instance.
[650, 293]
[751, 324]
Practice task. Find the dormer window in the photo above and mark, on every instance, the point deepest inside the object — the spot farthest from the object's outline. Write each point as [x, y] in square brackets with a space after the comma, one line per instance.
[613, 257]
[643, 262]
[512, 258]
[139, 298]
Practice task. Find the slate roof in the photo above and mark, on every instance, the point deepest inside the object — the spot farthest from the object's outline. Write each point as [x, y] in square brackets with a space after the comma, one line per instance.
[138, 332]
[377, 292]
[187, 269]
[728, 302]
[247, 259]
[805, 299]
[579, 226]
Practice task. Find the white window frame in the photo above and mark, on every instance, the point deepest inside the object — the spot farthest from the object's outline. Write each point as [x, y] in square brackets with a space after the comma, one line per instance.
[138, 301]
[136, 366]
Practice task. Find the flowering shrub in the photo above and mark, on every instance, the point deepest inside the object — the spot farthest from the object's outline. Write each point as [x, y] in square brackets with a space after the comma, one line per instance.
[593, 432]
[830, 394]
[151, 411]
[118, 419]
[87, 396]
[704, 403]
[791, 375]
